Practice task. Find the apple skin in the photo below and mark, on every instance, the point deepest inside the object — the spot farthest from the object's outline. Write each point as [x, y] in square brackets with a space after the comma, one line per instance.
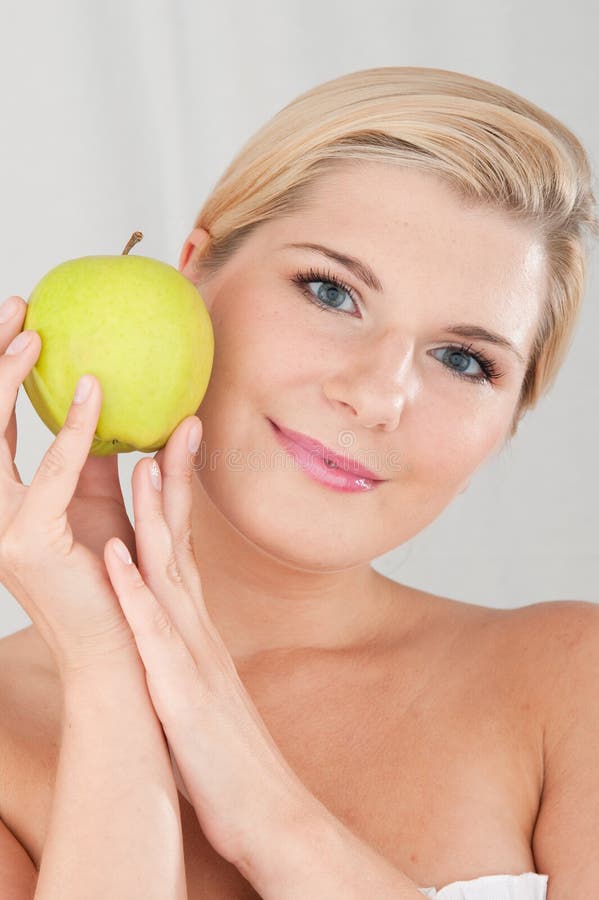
[139, 326]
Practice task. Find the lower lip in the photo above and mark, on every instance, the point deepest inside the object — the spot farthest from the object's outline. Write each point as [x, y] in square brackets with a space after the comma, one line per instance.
[317, 469]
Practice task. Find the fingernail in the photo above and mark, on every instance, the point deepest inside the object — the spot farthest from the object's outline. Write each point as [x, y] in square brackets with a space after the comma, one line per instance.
[83, 389]
[193, 441]
[155, 476]
[8, 309]
[19, 343]
[121, 551]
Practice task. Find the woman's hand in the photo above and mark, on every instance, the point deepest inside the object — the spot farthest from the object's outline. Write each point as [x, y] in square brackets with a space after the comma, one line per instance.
[61, 584]
[225, 759]
[97, 509]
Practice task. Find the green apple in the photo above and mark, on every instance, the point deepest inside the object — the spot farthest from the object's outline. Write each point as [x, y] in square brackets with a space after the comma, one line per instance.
[139, 326]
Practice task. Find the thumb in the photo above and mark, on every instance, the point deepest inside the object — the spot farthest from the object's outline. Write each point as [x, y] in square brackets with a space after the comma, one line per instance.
[11, 438]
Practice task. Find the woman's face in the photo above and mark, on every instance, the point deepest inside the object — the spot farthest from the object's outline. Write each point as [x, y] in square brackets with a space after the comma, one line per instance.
[373, 377]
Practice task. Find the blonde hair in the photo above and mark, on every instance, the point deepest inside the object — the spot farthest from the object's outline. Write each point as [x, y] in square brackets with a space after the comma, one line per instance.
[490, 145]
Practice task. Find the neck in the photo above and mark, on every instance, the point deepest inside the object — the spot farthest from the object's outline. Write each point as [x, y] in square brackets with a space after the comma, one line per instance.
[261, 603]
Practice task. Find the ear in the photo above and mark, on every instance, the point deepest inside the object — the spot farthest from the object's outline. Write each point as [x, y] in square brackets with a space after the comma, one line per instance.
[195, 242]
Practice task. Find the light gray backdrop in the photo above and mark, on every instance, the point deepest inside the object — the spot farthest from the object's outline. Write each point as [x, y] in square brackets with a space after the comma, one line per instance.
[121, 115]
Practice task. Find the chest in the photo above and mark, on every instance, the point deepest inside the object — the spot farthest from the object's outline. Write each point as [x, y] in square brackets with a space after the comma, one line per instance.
[439, 770]
[440, 775]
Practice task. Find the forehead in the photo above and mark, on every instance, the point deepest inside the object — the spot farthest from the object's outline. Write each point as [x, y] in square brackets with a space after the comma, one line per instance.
[424, 243]
[404, 206]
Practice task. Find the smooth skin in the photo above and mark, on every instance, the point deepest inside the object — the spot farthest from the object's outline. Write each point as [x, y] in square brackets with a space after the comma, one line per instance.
[244, 793]
[285, 562]
[113, 753]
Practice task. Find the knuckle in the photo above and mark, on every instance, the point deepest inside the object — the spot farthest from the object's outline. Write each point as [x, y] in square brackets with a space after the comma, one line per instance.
[172, 570]
[12, 550]
[54, 461]
[74, 424]
[186, 475]
[185, 541]
[161, 624]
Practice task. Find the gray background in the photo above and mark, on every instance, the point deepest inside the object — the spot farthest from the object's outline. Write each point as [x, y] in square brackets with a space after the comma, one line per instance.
[122, 115]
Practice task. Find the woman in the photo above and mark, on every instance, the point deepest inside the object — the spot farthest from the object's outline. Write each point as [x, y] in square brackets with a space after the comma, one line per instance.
[331, 732]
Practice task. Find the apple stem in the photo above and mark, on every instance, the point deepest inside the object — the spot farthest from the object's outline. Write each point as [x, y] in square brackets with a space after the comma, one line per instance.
[133, 240]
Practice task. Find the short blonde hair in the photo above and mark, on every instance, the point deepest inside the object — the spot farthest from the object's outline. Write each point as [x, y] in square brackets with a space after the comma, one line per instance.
[490, 145]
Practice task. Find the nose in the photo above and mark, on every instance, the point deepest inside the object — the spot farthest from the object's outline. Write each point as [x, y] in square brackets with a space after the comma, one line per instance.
[376, 385]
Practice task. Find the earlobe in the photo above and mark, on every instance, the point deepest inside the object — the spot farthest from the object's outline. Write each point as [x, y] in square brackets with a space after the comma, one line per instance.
[195, 241]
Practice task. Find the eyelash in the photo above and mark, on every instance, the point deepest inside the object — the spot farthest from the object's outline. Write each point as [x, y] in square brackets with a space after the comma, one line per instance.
[304, 279]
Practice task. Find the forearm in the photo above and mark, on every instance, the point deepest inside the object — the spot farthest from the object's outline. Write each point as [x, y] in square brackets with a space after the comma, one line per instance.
[323, 859]
[114, 827]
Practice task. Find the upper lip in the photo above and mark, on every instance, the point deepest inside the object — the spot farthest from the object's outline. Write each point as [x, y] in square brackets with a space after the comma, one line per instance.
[346, 463]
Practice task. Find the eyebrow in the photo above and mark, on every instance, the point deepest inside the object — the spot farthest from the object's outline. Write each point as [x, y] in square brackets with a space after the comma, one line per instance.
[359, 269]
[367, 276]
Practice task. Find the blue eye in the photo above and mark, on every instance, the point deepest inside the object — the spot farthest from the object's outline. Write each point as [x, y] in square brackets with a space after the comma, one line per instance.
[489, 370]
[329, 294]
[328, 297]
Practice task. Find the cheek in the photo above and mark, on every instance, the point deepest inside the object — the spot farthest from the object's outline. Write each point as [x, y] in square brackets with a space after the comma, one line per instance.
[451, 452]
[262, 343]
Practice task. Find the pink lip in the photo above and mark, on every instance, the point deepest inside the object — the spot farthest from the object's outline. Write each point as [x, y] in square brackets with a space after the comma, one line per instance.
[347, 474]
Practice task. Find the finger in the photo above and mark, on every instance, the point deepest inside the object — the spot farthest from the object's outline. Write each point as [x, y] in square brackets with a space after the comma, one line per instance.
[169, 508]
[19, 356]
[178, 587]
[177, 469]
[12, 314]
[172, 675]
[55, 480]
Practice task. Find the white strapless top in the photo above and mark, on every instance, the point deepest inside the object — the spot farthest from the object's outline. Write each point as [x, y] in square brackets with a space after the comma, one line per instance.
[529, 886]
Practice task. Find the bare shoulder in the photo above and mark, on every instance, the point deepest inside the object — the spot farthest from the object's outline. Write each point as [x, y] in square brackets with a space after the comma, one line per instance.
[562, 640]
[550, 651]
[565, 835]
[542, 628]
[542, 659]
[533, 645]
[564, 635]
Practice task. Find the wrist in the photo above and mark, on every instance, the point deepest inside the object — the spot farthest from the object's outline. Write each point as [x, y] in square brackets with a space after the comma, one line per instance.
[320, 857]
[103, 673]
[292, 838]
[114, 701]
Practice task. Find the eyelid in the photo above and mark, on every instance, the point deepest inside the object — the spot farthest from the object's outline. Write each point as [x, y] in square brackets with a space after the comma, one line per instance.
[312, 274]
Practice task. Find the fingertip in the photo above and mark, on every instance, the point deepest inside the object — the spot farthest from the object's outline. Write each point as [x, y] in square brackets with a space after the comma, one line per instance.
[194, 435]
[84, 389]
[195, 422]
[96, 382]
[120, 551]
[11, 305]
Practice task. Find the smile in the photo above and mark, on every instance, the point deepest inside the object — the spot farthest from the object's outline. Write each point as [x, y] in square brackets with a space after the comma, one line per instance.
[324, 466]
